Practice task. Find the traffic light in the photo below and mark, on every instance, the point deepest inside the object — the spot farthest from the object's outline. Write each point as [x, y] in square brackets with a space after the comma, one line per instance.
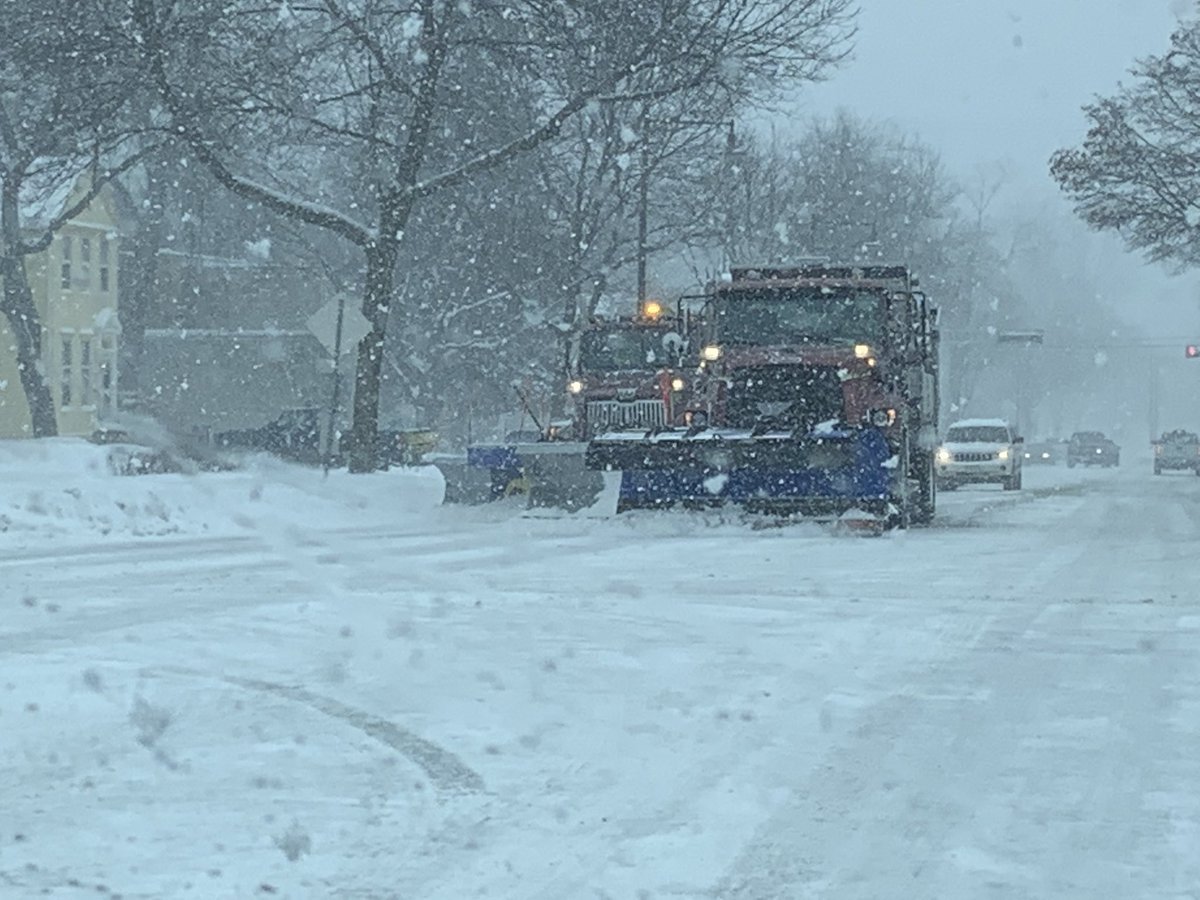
[1192, 351]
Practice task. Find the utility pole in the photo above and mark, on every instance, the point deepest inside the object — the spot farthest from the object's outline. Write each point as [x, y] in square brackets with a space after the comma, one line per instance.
[730, 221]
[643, 194]
[643, 207]
[337, 383]
[1152, 407]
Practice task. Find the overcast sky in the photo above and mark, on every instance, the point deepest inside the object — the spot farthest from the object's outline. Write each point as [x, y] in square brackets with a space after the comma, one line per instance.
[1002, 81]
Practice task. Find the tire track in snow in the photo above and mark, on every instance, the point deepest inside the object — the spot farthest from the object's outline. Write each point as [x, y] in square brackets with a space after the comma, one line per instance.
[443, 768]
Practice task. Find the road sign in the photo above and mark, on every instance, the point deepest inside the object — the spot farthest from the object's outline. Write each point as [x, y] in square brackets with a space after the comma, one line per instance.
[324, 325]
[1021, 337]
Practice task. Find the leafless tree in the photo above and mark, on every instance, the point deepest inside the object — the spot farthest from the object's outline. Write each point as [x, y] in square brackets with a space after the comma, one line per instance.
[386, 85]
[1136, 171]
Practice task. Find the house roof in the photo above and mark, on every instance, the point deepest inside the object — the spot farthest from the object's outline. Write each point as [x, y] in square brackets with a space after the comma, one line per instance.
[47, 190]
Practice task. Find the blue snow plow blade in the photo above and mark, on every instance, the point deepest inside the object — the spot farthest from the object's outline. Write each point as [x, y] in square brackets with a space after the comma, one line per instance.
[497, 457]
[820, 473]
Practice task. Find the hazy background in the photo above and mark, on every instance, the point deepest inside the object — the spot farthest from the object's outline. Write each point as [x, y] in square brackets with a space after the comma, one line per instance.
[997, 88]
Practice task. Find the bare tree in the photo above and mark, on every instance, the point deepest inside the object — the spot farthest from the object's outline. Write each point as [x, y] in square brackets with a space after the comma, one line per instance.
[1135, 172]
[384, 84]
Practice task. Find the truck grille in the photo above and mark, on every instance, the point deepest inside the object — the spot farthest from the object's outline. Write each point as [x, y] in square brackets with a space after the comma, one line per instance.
[795, 395]
[640, 414]
[974, 457]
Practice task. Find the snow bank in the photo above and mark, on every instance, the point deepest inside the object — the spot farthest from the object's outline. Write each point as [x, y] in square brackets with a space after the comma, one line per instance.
[65, 487]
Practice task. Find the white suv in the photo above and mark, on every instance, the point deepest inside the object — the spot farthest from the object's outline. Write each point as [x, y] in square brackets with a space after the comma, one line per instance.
[979, 451]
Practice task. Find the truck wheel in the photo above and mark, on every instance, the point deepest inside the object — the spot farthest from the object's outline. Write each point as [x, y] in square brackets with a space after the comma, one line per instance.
[925, 503]
[1158, 470]
[1013, 482]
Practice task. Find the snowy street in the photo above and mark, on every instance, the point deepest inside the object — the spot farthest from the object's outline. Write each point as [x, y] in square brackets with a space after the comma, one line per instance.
[263, 684]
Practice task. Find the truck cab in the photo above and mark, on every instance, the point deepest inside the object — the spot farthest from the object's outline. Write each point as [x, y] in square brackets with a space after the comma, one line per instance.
[629, 373]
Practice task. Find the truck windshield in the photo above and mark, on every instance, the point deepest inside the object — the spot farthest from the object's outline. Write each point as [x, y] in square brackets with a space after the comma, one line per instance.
[622, 349]
[799, 316]
[978, 434]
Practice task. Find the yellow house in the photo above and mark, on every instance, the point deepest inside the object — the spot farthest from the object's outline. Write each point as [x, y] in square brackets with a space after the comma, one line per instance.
[74, 284]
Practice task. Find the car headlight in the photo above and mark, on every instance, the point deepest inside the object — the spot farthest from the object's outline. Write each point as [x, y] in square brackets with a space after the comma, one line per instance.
[944, 455]
[1003, 454]
[677, 384]
[575, 386]
[711, 353]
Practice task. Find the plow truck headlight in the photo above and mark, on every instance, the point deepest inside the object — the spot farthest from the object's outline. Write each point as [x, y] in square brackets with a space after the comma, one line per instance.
[711, 353]
[575, 386]
[1003, 454]
[862, 351]
[944, 455]
[677, 384]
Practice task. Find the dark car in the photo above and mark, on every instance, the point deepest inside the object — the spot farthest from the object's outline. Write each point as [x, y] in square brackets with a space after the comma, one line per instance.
[1177, 450]
[1092, 448]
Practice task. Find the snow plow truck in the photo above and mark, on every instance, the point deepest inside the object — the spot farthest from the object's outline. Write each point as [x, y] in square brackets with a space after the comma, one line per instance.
[624, 373]
[814, 394]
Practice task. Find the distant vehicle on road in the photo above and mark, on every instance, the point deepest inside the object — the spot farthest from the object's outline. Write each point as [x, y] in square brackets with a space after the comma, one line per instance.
[1092, 448]
[1044, 453]
[980, 451]
[1177, 450]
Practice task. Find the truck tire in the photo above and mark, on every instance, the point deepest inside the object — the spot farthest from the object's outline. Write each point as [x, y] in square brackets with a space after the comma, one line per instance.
[1158, 470]
[1013, 482]
[925, 503]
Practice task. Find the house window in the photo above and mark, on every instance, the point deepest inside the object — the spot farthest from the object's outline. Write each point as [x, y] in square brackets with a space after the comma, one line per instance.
[104, 265]
[85, 372]
[106, 393]
[67, 369]
[85, 263]
[65, 279]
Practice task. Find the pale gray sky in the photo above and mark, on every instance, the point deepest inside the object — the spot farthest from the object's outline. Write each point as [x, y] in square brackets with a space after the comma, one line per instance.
[987, 80]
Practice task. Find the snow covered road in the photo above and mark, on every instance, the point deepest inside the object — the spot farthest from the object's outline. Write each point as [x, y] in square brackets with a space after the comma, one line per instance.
[325, 690]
